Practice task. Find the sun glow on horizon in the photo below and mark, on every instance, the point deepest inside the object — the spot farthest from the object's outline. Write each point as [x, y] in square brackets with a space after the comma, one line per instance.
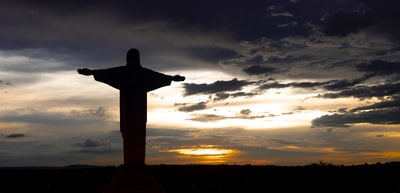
[206, 153]
[203, 151]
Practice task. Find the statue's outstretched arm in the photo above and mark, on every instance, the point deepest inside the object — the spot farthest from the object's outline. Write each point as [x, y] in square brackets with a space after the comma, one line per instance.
[85, 71]
[178, 78]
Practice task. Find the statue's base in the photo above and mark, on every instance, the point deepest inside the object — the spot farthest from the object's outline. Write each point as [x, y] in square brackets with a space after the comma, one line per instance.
[134, 179]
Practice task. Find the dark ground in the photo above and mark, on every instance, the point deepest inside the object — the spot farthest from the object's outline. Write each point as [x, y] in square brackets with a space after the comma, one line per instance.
[321, 177]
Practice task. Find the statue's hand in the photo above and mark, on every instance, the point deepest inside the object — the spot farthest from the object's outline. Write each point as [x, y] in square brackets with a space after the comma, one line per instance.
[85, 71]
[178, 78]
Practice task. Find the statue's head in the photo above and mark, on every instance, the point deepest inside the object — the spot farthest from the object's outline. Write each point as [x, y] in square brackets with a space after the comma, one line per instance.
[133, 58]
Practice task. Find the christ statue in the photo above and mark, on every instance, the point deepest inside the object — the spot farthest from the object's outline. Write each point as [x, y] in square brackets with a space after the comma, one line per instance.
[133, 81]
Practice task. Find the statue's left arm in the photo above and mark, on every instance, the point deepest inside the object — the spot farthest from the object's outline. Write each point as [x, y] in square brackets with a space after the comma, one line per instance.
[154, 80]
[178, 78]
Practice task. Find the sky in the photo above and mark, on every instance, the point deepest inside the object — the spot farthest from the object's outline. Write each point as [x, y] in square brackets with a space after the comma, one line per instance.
[268, 82]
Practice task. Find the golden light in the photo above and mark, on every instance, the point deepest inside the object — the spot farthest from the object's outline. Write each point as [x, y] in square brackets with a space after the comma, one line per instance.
[206, 153]
[203, 151]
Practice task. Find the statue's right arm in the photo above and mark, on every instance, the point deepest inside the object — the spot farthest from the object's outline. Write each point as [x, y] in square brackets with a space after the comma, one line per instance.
[85, 71]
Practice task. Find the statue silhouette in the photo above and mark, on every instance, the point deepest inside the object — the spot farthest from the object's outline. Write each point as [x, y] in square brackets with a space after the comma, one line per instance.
[131, 76]
[134, 82]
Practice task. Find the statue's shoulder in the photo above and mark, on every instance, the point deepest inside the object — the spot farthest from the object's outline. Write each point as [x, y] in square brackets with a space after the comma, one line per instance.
[112, 69]
[150, 72]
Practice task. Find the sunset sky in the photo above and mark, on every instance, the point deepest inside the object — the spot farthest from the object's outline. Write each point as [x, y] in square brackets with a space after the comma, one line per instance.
[269, 82]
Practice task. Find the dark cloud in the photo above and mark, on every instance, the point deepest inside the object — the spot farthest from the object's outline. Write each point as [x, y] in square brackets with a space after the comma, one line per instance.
[45, 118]
[164, 139]
[332, 85]
[216, 87]
[48, 24]
[386, 116]
[210, 54]
[91, 145]
[346, 88]
[378, 113]
[388, 103]
[380, 68]
[346, 17]
[342, 110]
[207, 117]
[343, 84]
[273, 84]
[98, 112]
[245, 112]
[237, 20]
[385, 14]
[308, 84]
[224, 96]
[342, 22]
[169, 132]
[221, 96]
[229, 16]
[194, 107]
[243, 94]
[61, 7]
[259, 70]
[15, 135]
[362, 92]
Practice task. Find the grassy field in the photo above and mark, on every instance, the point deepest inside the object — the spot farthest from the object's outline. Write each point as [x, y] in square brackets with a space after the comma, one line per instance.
[320, 177]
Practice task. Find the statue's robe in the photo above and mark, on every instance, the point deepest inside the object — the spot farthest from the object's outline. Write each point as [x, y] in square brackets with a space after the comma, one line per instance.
[133, 83]
[124, 77]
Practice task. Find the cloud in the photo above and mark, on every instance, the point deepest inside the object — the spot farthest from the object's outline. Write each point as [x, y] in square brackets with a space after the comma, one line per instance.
[220, 96]
[342, 23]
[91, 145]
[15, 135]
[348, 17]
[33, 116]
[216, 87]
[353, 87]
[99, 112]
[389, 103]
[380, 68]
[384, 112]
[243, 114]
[210, 54]
[207, 117]
[166, 39]
[39, 61]
[194, 107]
[46, 125]
[342, 84]
[327, 85]
[259, 70]
[160, 138]
[224, 95]
[380, 116]
[363, 92]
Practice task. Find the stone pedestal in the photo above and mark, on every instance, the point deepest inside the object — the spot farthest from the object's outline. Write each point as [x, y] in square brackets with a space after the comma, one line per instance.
[134, 178]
